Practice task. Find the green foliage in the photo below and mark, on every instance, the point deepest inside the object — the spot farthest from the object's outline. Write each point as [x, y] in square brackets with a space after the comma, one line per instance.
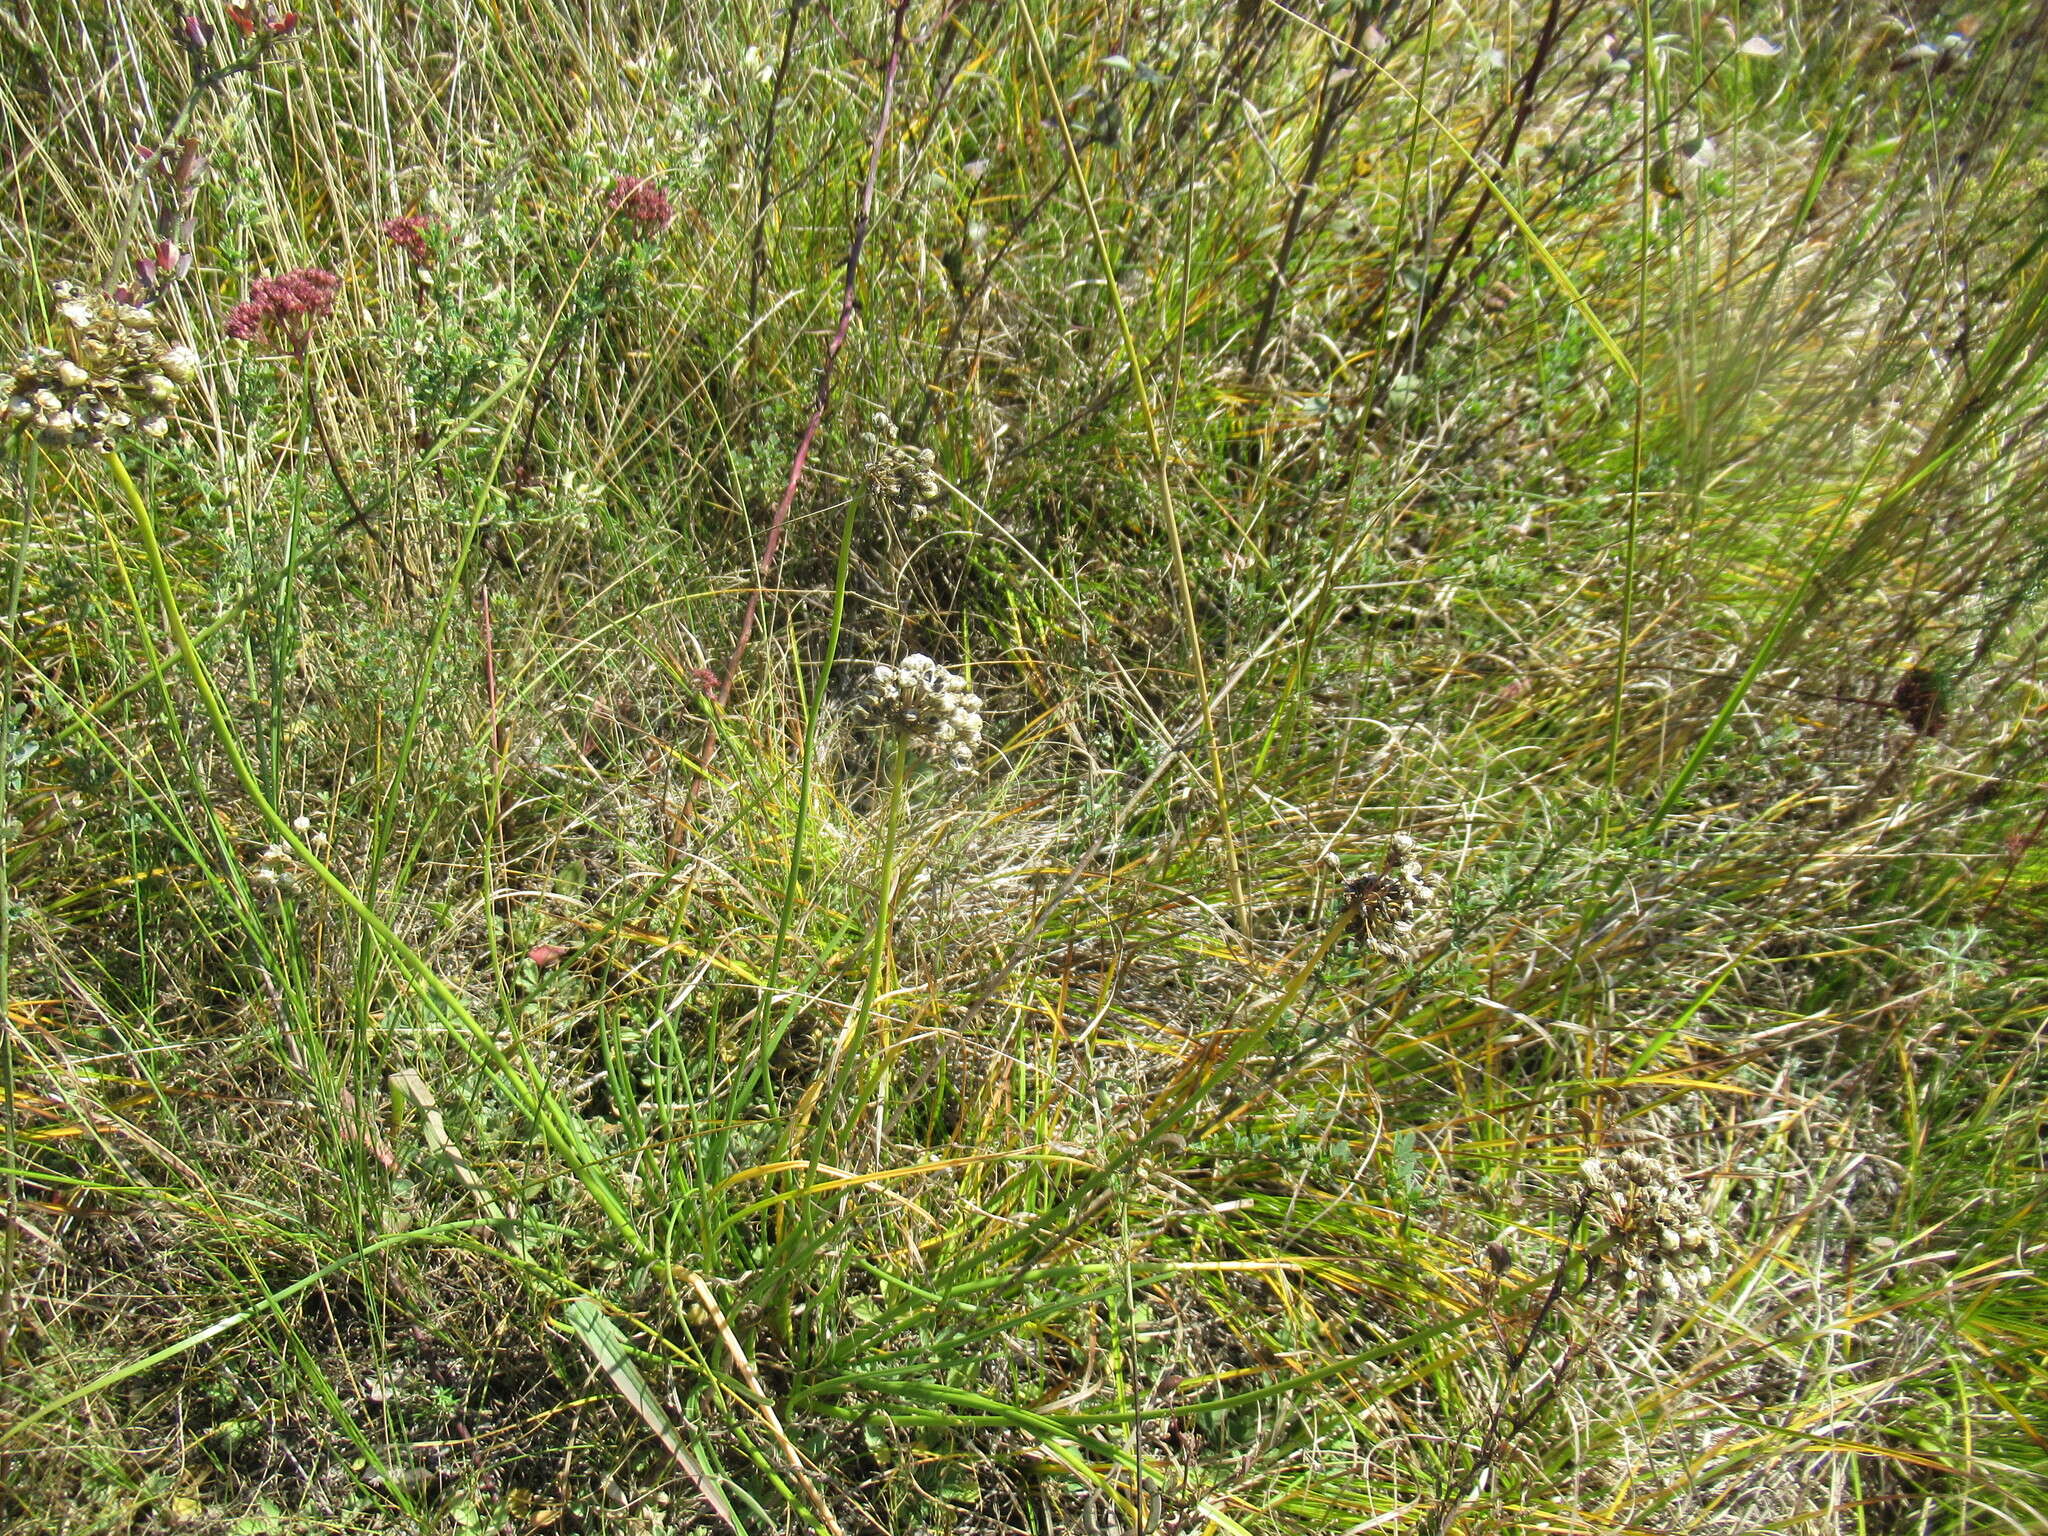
[487, 1047]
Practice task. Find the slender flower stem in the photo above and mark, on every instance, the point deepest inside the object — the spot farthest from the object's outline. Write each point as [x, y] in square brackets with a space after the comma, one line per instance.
[880, 972]
[875, 983]
[1645, 223]
[813, 707]
[11, 1194]
[820, 1100]
[822, 402]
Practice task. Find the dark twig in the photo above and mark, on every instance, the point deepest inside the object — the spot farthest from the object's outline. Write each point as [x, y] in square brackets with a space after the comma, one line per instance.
[848, 302]
[1430, 312]
[1500, 1427]
[1340, 95]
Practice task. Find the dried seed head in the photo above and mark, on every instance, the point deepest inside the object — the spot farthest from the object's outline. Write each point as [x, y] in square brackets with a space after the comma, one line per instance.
[1660, 1237]
[112, 364]
[928, 705]
[1383, 906]
[897, 474]
[274, 868]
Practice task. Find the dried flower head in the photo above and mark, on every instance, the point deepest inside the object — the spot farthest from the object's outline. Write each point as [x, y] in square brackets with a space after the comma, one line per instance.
[114, 373]
[284, 308]
[897, 474]
[274, 869]
[409, 234]
[1384, 905]
[927, 705]
[1921, 700]
[640, 200]
[1661, 1238]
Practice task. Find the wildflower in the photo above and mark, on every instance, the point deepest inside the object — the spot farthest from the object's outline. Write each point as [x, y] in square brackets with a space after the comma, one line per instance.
[113, 374]
[1921, 700]
[638, 198]
[409, 234]
[271, 21]
[284, 308]
[926, 705]
[1385, 905]
[1661, 1238]
[901, 476]
[274, 869]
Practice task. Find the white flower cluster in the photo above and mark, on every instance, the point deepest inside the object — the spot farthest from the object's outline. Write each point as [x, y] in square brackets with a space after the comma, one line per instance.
[1385, 905]
[1661, 1237]
[900, 475]
[929, 705]
[114, 374]
[275, 868]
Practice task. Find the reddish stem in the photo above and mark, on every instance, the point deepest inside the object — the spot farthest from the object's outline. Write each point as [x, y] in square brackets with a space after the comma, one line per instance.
[848, 301]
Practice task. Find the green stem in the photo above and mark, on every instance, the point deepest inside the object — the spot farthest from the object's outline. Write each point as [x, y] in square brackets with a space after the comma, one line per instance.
[1645, 223]
[814, 706]
[794, 1239]
[875, 982]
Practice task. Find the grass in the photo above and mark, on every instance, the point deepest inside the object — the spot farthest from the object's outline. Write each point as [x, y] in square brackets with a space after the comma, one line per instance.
[492, 1042]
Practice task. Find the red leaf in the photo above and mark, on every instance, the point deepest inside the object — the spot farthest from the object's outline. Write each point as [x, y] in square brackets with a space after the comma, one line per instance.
[545, 955]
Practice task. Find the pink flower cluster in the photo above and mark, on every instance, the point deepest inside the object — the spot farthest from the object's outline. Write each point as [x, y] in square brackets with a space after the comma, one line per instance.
[409, 234]
[639, 199]
[285, 307]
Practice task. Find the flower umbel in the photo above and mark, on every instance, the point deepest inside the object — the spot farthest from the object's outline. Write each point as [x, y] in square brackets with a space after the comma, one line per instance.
[409, 234]
[927, 705]
[1383, 906]
[285, 308]
[896, 473]
[274, 869]
[115, 373]
[640, 200]
[1661, 1237]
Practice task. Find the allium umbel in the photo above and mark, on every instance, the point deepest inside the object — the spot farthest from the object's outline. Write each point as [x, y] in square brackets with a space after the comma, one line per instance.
[638, 199]
[284, 308]
[901, 476]
[1661, 1237]
[114, 374]
[928, 706]
[1384, 906]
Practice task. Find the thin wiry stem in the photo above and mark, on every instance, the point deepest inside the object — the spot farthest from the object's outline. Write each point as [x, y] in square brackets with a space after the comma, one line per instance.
[1645, 227]
[822, 402]
[764, 171]
[1183, 588]
[9, 1104]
